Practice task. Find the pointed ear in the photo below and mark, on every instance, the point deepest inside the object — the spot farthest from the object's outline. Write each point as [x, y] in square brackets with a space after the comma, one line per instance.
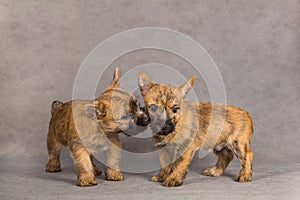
[95, 110]
[144, 83]
[186, 87]
[133, 104]
[116, 77]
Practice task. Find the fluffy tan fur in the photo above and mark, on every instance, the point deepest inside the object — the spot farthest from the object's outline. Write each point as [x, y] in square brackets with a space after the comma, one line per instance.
[189, 126]
[86, 127]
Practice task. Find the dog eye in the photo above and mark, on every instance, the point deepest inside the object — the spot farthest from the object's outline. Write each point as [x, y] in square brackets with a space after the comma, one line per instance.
[153, 108]
[175, 109]
[125, 116]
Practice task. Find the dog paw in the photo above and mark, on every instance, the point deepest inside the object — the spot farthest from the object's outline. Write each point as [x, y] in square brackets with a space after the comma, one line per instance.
[86, 182]
[53, 168]
[114, 176]
[213, 171]
[243, 178]
[172, 182]
[156, 178]
[97, 171]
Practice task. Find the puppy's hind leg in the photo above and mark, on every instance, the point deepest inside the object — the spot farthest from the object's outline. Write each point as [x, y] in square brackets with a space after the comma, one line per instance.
[245, 155]
[54, 148]
[224, 158]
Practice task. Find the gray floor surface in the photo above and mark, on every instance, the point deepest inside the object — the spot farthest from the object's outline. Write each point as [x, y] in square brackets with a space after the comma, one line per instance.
[25, 178]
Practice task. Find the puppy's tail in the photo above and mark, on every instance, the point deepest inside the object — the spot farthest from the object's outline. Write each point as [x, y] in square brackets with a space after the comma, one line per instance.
[116, 77]
[55, 105]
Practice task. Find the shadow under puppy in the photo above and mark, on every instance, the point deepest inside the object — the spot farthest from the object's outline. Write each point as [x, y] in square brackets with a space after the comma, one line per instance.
[87, 127]
[180, 128]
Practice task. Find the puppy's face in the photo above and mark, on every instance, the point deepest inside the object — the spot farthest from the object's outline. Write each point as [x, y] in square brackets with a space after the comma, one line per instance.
[125, 114]
[117, 111]
[163, 103]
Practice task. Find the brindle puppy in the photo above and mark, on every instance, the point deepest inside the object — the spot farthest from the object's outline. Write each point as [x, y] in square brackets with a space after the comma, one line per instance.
[180, 128]
[86, 127]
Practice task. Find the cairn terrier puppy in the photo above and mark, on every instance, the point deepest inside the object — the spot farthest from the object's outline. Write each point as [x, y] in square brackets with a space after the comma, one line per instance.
[180, 128]
[86, 127]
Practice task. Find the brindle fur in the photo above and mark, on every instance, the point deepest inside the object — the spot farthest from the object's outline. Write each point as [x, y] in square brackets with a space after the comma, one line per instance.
[224, 128]
[86, 127]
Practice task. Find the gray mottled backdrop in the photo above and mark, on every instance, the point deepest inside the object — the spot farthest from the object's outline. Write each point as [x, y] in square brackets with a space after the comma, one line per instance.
[255, 44]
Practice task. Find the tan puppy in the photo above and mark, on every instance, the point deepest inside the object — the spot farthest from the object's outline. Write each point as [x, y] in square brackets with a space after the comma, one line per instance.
[86, 127]
[180, 128]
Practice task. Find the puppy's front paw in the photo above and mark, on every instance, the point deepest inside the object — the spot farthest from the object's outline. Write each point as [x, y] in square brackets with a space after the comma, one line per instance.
[53, 168]
[213, 171]
[243, 177]
[86, 181]
[162, 175]
[114, 175]
[172, 182]
[156, 178]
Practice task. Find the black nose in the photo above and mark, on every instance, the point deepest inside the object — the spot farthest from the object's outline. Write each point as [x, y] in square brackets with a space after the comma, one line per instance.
[143, 121]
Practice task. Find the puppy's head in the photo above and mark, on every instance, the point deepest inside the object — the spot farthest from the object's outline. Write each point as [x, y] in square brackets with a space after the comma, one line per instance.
[118, 111]
[163, 103]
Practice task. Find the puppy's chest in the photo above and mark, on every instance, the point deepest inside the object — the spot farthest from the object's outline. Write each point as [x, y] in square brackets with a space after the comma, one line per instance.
[188, 128]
